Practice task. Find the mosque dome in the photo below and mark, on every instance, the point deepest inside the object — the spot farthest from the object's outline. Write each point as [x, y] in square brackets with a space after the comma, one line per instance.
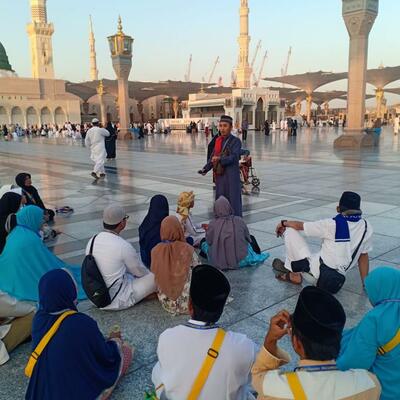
[5, 66]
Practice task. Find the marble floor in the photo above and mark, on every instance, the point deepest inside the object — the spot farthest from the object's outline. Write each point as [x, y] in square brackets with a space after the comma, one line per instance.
[301, 178]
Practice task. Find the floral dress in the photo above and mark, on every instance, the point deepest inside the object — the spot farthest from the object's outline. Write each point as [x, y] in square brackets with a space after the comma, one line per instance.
[180, 305]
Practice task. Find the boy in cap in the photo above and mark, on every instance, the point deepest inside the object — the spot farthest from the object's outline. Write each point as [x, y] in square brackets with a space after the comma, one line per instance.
[199, 360]
[346, 240]
[95, 141]
[224, 161]
[315, 330]
[128, 280]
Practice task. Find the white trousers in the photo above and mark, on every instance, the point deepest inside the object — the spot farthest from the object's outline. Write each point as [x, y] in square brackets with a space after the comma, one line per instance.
[133, 291]
[297, 249]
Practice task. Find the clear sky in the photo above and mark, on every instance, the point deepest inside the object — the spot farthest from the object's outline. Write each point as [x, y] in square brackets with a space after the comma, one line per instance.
[166, 32]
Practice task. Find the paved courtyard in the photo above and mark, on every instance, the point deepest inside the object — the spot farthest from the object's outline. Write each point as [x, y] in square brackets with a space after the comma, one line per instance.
[301, 178]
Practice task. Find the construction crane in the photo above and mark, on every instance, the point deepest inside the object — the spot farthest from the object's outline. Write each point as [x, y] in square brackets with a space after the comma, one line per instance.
[284, 69]
[257, 81]
[258, 47]
[189, 69]
[213, 70]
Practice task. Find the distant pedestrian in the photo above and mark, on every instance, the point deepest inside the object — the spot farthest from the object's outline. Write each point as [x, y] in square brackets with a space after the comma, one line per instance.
[266, 128]
[245, 127]
[110, 141]
[396, 125]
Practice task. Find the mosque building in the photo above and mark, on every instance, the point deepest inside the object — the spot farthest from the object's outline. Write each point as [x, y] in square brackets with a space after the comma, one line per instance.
[41, 99]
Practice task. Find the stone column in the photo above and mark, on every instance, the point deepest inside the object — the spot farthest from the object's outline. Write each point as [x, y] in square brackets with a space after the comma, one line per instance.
[359, 16]
[308, 107]
[298, 107]
[326, 108]
[140, 110]
[175, 107]
[103, 115]
[379, 102]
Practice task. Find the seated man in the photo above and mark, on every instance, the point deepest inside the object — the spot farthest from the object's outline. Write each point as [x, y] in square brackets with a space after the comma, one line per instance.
[346, 240]
[315, 329]
[128, 280]
[184, 351]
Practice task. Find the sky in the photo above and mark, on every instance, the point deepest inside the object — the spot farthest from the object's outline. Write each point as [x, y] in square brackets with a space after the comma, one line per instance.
[166, 32]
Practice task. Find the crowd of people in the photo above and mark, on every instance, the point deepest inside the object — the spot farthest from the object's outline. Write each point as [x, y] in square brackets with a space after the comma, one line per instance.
[184, 265]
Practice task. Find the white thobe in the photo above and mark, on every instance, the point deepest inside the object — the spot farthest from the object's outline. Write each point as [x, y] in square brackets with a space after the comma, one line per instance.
[95, 140]
[181, 352]
[396, 125]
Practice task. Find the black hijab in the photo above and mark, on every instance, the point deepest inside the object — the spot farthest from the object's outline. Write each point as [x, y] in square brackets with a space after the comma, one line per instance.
[9, 204]
[31, 193]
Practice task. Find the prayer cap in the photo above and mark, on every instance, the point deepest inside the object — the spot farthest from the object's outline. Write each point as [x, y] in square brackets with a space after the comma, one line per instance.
[318, 316]
[226, 118]
[209, 288]
[95, 121]
[350, 201]
[113, 214]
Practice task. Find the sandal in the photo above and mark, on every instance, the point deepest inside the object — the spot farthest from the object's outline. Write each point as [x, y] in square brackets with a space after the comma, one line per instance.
[287, 277]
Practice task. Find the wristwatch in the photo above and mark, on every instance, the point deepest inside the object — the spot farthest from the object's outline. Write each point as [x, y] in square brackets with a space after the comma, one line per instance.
[283, 222]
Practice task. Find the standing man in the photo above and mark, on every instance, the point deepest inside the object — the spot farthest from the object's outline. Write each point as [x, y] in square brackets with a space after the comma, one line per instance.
[224, 161]
[245, 127]
[396, 124]
[95, 141]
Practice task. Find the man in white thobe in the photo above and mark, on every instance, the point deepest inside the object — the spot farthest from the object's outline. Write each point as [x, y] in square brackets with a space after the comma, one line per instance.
[95, 141]
[396, 124]
[183, 350]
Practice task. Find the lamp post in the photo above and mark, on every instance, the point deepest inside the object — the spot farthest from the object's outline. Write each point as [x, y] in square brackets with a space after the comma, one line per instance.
[121, 55]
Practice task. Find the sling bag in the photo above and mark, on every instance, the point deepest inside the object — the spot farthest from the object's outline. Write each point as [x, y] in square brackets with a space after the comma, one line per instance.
[44, 342]
[389, 346]
[208, 363]
[295, 386]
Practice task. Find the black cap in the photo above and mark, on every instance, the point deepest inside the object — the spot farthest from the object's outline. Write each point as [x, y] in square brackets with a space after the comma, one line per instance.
[209, 288]
[226, 118]
[318, 316]
[350, 201]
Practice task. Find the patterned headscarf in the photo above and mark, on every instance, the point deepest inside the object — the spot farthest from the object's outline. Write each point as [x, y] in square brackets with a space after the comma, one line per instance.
[185, 201]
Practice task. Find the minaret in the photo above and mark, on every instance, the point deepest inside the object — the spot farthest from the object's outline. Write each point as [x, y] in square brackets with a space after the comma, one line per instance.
[94, 73]
[243, 70]
[40, 32]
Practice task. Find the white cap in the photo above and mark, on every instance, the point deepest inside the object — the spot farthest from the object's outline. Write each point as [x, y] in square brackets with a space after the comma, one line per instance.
[113, 214]
[95, 121]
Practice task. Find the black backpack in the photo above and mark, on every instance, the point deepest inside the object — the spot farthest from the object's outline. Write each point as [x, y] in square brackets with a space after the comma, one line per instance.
[93, 283]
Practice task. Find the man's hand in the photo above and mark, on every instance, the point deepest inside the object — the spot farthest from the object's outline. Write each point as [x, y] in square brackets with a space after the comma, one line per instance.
[279, 327]
[202, 172]
[280, 229]
[215, 159]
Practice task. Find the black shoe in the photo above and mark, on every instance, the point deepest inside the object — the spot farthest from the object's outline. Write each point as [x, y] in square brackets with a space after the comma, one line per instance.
[102, 175]
[94, 175]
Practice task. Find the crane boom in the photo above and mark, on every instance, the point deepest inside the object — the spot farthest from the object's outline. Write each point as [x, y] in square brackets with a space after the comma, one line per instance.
[256, 83]
[284, 69]
[213, 70]
[258, 47]
[189, 69]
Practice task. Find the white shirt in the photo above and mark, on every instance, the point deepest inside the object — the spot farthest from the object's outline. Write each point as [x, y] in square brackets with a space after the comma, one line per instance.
[197, 232]
[118, 262]
[95, 140]
[337, 255]
[181, 352]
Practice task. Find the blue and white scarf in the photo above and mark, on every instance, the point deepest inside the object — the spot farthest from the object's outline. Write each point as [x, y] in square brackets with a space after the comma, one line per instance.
[342, 227]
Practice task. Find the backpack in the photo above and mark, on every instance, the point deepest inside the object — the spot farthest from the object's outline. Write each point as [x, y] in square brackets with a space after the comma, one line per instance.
[93, 283]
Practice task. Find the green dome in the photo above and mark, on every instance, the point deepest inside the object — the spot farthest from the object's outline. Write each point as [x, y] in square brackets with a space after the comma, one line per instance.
[4, 64]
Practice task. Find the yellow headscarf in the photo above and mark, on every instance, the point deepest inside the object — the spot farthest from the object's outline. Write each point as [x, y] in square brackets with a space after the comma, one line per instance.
[185, 201]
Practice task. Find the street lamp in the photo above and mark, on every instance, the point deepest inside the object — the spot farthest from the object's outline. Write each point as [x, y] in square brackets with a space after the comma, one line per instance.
[121, 56]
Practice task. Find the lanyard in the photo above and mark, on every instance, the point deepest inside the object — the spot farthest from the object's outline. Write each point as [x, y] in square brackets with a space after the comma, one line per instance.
[201, 327]
[388, 301]
[317, 368]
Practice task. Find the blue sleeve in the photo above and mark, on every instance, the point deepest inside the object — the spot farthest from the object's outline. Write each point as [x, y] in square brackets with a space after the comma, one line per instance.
[359, 346]
[208, 167]
[234, 155]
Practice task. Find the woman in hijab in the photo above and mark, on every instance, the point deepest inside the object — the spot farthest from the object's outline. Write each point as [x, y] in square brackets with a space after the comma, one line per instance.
[24, 181]
[372, 344]
[183, 213]
[9, 205]
[171, 263]
[149, 230]
[228, 241]
[25, 258]
[78, 362]
[110, 141]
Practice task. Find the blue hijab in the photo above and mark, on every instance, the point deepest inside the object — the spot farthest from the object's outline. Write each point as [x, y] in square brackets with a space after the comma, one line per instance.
[149, 230]
[25, 258]
[378, 327]
[78, 363]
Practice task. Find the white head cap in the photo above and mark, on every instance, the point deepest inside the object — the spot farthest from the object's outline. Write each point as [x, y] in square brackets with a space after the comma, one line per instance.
[95, 121]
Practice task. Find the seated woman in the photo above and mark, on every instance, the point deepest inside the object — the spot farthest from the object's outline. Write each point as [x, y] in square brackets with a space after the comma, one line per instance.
[171, 262]
[25, 258]
[24, 181]
[78, 362]
[10, 203]
[15, 324]
[374, 344]
[190, 229]
[228, 243]
[149, 230]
